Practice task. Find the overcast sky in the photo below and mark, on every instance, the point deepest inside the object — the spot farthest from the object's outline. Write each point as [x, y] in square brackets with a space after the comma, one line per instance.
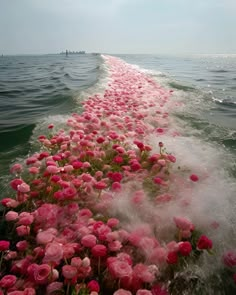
[118, 26]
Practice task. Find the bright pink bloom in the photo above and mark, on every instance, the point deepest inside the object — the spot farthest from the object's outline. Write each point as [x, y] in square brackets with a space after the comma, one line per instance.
[25, 218]
[15, 182]
[99, 251]
[159, 290]
[204, 243]
[93, 286]
[7, 281]
[120, 269]
[112, 222]
[4, 245]
[100, 185]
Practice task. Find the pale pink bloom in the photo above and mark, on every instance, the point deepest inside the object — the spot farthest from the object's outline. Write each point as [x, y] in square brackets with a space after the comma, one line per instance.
[10, 255]
[25, 218]
[11, 216]
[16, 168]
[69, 271]
[122, 292]
[142, 272]
[52, 169]
[68, 250]
[42, 273]
[23, 187]
[33, 170]
[85, 262]
[183, 223]
[23, 230]
[22, 245]
[158, 255]
[69, 193]
[9, 203]
[112, 222]
[53, 252]
[45, 237]
[143, 292]
[161, 162]
[114, 246]
[89, 241]
[76, 261]
[120, 269]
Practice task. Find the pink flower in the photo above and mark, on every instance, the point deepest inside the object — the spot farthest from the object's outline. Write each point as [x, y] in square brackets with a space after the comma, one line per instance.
[69, 271]
[93, 286]
[204, 243]
[42, 273]
[100, 185]
[7, 281]
[16, 168]
[23, 230]
[53, 252]
[99, 251]
[4, 245]
[52, 169]
[122, 292]
[25, 218]
[89, 241]
[185, 248]
[23, 187]
[112, 222]
[15, 182]
[120, 269]
[229, 258]
[22, 245]
[11, 216]
[183, 223]
[53, 287]
[142, 272]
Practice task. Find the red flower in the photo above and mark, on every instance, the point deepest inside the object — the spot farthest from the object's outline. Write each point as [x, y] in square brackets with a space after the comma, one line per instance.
[194, 177]
[204, 243]
[172, 258]
[185, 248]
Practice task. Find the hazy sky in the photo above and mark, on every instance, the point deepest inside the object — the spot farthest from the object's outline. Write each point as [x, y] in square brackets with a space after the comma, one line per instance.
[118, 26]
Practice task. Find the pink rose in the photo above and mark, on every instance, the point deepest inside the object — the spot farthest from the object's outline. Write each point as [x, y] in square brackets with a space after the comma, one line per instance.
[99, 251]
[69, 271]
[23, 188]
[23, 230]
[42, 273]
[89, 241]
[11, 216]
[53, 252]
[172, 258]
[8, 281]
[183, 223]
[22, 245]
[120, 269]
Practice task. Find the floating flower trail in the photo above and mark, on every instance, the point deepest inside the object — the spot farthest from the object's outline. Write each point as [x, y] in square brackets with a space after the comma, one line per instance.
[88, 214]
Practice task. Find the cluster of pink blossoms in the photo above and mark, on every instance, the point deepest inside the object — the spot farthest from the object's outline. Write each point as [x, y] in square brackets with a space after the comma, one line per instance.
[61, 236]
